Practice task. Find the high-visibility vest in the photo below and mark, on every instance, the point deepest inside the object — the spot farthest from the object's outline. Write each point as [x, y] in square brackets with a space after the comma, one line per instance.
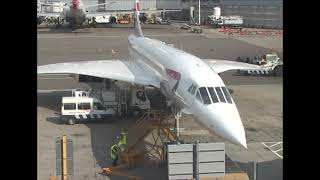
[123, 139]
[114, 151]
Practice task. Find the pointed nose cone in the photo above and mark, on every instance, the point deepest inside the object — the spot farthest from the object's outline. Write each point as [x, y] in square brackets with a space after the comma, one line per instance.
[245, 145]
[239, 137]
[233, 130]
[228, 124]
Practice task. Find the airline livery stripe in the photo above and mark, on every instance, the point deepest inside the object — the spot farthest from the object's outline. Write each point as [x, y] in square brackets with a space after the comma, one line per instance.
[137, 6]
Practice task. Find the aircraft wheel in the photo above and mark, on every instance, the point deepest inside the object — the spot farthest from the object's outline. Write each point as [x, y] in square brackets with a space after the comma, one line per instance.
[71, 121]
[278, 71]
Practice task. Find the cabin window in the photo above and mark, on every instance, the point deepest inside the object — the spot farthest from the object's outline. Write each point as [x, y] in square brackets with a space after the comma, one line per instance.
[205, 95]
[219, 92]
[84, 106]
[227, 94]
[69, 106]
[213, 95]
[98, 106]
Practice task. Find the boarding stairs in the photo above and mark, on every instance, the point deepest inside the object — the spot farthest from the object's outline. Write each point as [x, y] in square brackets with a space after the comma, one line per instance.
[147, 136]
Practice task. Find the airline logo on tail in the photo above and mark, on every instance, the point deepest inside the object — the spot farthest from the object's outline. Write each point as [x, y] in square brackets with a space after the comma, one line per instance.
[137, 29]
[75, 4]
[137, 6]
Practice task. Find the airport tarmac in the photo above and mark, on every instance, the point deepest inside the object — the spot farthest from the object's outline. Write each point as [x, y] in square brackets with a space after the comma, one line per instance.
[259, 99]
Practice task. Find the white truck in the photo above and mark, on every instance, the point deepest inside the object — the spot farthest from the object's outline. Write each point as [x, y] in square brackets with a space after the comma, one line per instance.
[102, 20]
[87, 106]
[231, 21]
[270, 64]
[99, 20]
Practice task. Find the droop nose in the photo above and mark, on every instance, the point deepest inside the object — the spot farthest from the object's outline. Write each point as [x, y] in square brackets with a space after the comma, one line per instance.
[227, 123]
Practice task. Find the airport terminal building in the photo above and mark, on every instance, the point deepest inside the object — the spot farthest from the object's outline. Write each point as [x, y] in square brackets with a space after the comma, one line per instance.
[145, 4]
[256, 13]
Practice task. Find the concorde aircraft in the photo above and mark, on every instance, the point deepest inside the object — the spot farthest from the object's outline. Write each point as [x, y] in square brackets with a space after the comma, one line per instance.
[192, 85]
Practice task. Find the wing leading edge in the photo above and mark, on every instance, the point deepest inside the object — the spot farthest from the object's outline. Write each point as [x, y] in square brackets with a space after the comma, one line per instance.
[225, 65]
[110, 69]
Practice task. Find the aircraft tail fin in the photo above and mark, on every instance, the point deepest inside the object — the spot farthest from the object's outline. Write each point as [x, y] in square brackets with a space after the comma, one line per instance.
[137, 27]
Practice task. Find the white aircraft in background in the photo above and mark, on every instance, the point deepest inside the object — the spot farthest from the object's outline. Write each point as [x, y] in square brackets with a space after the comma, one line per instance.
[75, 14]
[190, 83]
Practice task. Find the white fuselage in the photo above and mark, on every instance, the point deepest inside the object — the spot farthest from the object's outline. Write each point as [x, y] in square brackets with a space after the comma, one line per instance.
[154, 56]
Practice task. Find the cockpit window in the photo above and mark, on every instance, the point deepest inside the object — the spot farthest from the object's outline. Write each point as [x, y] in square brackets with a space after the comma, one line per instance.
[219, 92]
[193, 90]
[190, 88]
[213, 95]
[227, 94]
[205, 95]
[198, 96]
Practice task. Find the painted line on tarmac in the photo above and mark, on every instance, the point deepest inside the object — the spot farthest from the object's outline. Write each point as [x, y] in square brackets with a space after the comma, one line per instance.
[272, 150]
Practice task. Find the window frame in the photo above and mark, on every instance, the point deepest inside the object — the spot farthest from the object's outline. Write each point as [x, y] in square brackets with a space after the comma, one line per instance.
[202, 95]
[224, 100]
[198, 94]
[64, 106]
[193, 90]
[82, 105]
[190, 88]
[215, 93]
[228, 94]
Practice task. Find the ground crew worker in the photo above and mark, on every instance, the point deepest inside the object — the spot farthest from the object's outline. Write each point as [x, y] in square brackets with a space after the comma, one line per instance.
[123, 140]
[114, 154]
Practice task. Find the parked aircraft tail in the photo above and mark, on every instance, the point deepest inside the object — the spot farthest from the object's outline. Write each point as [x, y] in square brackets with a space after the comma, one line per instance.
[137, 27]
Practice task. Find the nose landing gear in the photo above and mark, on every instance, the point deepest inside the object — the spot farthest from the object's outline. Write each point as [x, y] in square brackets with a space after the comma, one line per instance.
[176, 111]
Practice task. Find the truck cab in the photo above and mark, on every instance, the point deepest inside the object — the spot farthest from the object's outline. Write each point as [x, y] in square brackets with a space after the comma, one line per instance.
[139, 100]
[267, 60]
